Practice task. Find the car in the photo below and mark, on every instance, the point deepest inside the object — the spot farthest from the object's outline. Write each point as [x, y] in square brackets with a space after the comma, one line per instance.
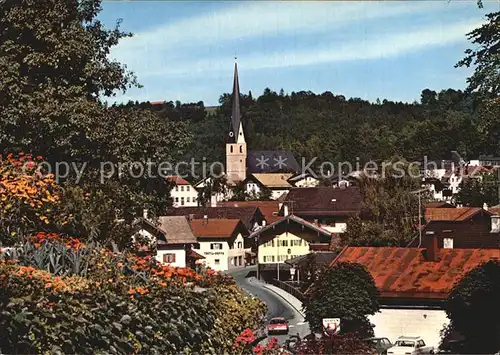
[380, 344]
[410, 346]
[278, 325]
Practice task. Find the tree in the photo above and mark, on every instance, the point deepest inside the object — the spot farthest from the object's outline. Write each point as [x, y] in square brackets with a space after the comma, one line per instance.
[346, 291]
[475, 192]
[52, 81]
[485, 80]
[473, 309]
[389, 206]
[239, 192]
[213, 186]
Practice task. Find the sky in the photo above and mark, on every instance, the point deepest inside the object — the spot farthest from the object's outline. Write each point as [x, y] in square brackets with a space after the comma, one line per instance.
[388, 50]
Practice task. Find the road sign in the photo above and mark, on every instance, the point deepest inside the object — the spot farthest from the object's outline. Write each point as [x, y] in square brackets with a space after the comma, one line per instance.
[331, 325]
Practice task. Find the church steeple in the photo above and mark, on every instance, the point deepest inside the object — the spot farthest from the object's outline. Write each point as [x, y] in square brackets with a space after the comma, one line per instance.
[235, 129]
[236, 147]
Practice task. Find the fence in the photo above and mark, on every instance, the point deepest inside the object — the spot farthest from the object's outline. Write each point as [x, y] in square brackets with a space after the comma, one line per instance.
[290, 289]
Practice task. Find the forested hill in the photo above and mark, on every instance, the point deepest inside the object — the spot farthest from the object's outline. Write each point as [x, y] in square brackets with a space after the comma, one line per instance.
[334, 128]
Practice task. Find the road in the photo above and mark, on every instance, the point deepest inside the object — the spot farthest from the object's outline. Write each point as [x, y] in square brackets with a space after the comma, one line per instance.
[276, 306]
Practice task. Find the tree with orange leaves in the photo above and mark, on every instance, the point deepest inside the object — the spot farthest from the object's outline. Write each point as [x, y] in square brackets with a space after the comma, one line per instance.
[28, 198]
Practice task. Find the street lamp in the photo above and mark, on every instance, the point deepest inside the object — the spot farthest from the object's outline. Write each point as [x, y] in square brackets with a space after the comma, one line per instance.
[419, 215]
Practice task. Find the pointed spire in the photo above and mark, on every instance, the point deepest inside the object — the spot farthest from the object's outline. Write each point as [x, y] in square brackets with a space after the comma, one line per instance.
[236, 114]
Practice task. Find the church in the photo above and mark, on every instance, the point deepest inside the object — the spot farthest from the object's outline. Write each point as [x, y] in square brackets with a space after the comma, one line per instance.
[259, 169]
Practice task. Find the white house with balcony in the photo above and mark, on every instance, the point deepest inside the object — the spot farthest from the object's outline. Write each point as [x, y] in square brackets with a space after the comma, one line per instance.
[183, 193]
[221, 242]
[173, 238]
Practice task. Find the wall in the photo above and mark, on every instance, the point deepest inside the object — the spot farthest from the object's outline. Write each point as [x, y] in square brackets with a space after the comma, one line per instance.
[339, 227]
[180, 256]
[178, 250]
[275, 194]
[212, 254]
[266, 249]
[307, 182]
[392, 323]
[184, 192]
[237, 255]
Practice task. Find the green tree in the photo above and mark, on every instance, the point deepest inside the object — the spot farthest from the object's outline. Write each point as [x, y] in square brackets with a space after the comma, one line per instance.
[346, 291]
[485, 80]
[52, 83]
[474, 192]
[390, 206]
[473, 309]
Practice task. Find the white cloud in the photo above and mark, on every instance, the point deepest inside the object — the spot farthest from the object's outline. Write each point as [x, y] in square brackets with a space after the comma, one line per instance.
[153, 48]
[370, 47]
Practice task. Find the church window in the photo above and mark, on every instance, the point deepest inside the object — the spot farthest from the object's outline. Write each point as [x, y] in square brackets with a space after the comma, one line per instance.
[241, 149]
[231, 149]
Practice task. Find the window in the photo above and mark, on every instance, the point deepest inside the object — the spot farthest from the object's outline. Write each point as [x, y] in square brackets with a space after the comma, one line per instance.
[217, 261]
[177, 188]
[420, 344]
[296, 243]
[241, 149]
[283, 243]
[187, 199]
[169, 258]
[448, 243]
[177, 199]
[231, 149]
[240, 260]
[216, 246]
[187, 188]
[240, 244]
[182, 201]
[182, 188]
[269, 259]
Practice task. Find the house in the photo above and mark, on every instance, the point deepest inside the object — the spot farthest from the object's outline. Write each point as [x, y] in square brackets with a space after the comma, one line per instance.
[251, 216]
[276, 183]
[461, 227]
[284, 239]
[174, 240]
[183, 193]
[413, 284]
[240, 163]
[304, 180]
[221, 242]
[328, 207]
[269, 209]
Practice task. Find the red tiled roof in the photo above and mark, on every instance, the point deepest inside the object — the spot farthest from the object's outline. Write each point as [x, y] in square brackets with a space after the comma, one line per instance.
[268, 208]
[451, 214]
[178, 180]
[405, 273]
[194, 255]
[214, 228]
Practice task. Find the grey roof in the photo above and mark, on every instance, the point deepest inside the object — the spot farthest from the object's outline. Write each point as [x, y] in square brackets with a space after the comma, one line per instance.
[319, 257]
[296, 219]
[269, 161]
[236, 112]
[173, 230]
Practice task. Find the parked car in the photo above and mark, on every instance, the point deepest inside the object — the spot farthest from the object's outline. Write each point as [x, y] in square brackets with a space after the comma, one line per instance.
[381, 344]
[277, 325]
[410, 346]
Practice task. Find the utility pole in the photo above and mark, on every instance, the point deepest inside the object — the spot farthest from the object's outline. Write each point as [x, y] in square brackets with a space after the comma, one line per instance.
[278, 257]
[419, 192]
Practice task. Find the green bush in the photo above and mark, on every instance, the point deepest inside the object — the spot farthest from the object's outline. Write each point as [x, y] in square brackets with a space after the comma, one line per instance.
[123, 304]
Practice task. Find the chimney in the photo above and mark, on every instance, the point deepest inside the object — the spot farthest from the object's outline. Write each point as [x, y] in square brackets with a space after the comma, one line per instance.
[485, 206]
[145, 213]
[205, 219]
[431, 253]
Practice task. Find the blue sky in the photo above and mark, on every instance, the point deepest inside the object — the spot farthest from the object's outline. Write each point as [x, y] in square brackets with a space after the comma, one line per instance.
[185, 50]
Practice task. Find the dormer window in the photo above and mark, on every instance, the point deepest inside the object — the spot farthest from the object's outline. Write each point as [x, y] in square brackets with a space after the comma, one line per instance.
[495, 223]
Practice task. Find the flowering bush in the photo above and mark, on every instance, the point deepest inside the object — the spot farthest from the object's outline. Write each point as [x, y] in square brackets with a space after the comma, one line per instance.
[245, 343]
[28, 198]
[123, 304]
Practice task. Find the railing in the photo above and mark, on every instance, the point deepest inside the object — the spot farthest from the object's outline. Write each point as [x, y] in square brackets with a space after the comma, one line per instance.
[290, 289]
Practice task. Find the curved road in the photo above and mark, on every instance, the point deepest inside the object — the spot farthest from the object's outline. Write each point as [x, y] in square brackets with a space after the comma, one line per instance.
[276, 306]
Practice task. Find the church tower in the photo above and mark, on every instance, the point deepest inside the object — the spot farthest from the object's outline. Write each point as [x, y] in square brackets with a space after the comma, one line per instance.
[236, 147]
